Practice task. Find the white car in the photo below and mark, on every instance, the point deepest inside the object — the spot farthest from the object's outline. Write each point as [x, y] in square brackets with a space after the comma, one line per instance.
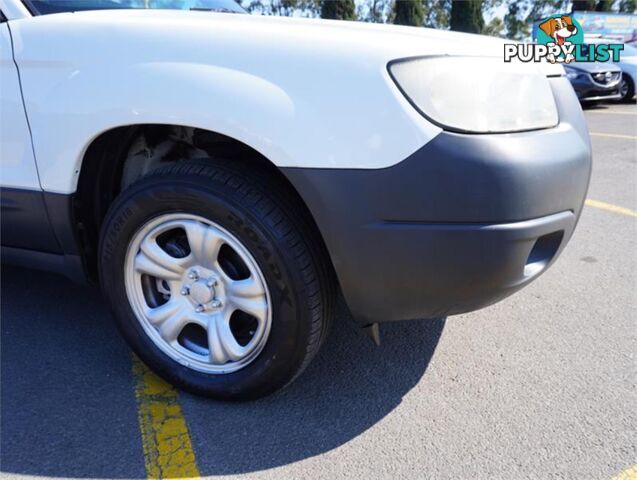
[222, 175]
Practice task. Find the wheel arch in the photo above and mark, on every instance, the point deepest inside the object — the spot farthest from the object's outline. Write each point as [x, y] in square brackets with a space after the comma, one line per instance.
[105, 170]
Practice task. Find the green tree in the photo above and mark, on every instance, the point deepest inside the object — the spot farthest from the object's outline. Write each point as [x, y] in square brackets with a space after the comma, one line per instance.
[517, 28]
[285, 8]
[583, 5]
[466, 16]
[494, 28]
[375, 11]
[409, 12]
[338, 9]
[628, 6]
[437, 13]
[540, 9]
[604, 6]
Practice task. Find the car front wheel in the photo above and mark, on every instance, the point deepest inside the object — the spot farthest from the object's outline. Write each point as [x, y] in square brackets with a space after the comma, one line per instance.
[215, 279]
[627, 88]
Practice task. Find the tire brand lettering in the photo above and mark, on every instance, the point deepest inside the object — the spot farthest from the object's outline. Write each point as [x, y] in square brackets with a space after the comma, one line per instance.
[267, 255]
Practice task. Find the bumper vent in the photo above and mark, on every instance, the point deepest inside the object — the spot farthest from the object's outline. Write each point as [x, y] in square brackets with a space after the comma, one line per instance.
[542, 253]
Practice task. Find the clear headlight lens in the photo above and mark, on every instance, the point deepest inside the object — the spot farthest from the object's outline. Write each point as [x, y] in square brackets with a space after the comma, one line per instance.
[481, 95]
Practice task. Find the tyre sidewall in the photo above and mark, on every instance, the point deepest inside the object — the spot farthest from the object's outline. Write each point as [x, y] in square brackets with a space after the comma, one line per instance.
[631, 88]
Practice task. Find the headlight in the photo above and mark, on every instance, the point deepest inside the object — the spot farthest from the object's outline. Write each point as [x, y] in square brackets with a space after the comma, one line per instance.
[571, 73]
[482, 95]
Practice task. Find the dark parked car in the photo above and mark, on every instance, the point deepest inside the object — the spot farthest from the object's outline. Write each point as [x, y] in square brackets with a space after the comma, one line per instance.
[594, 81]
[628, 65]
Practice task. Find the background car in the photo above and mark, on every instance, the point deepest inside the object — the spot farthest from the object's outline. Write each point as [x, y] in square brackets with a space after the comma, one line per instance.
[628, 65]
[594, 81]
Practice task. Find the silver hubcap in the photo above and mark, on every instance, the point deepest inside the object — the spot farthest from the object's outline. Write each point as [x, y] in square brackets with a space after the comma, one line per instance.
[198, 293]
[623, 88]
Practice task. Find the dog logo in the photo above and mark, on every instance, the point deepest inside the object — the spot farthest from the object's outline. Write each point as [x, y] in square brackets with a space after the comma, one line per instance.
[560, 39]
[560, 29]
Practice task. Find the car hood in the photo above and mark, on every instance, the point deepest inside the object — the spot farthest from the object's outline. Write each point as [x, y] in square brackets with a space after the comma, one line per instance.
[357, 40]
[300, 92]
[594, 67]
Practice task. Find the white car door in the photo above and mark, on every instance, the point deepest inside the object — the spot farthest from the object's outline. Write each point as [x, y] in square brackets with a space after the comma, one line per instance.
[17, 165]
[24, 218]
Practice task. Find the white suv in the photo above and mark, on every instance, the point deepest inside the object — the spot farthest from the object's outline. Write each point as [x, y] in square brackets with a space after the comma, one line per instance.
[221, 175]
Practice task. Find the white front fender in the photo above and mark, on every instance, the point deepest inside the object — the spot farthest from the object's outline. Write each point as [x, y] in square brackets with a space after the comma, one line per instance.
[296, 101]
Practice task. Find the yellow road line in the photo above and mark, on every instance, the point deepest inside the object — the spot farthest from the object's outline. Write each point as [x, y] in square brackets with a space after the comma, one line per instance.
[628, 474]
[613, 135]
[610, 112]
[167, 447]
[610, 207]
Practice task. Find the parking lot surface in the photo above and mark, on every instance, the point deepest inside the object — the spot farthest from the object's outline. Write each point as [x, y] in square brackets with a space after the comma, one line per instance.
[541, 385]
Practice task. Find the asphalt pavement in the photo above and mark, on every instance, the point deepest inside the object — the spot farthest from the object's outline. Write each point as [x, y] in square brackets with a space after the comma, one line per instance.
[541, 385]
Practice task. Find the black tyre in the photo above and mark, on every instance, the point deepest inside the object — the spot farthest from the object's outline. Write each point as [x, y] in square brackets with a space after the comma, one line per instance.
[216, 278]
[627, 88]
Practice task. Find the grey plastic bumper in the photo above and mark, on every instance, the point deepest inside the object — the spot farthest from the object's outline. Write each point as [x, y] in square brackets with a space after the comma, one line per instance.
[462, 223]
